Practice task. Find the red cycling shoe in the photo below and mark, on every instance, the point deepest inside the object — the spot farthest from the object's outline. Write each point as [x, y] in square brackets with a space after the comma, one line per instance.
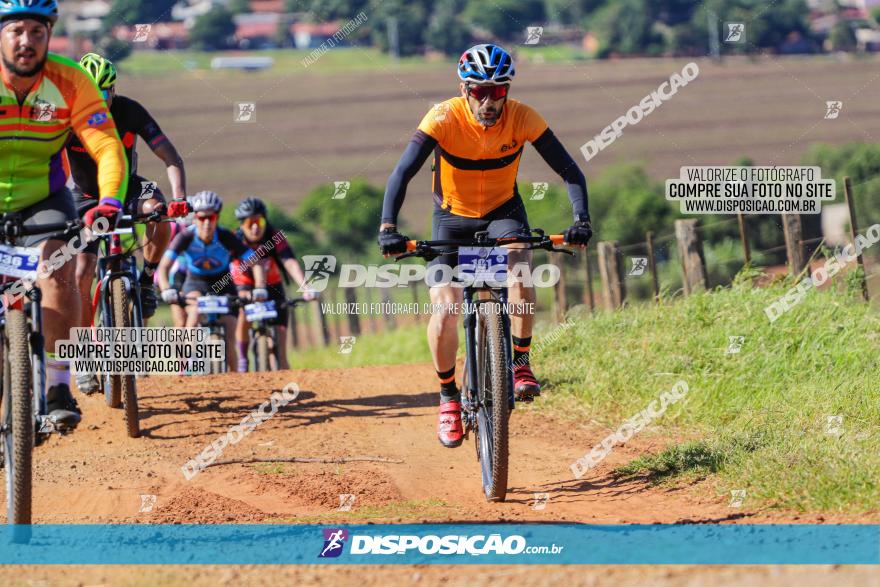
[449, 428]
[525, 385]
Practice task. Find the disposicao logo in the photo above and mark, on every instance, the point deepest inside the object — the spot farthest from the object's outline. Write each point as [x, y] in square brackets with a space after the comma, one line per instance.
[334, 541]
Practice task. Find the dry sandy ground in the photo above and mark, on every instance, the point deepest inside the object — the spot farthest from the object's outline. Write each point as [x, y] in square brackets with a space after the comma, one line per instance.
[98, 475]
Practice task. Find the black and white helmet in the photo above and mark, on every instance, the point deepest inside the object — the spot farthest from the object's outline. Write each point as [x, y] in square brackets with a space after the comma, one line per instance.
[206, 201]
[250, 207]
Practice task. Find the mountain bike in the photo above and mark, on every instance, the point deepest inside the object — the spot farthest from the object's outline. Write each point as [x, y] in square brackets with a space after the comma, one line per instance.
[211, 310]
[118, 295]
[24, 419]
[487, 385]
[264, 337]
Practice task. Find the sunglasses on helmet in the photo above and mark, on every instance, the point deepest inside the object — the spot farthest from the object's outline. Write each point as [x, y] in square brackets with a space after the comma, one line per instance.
[480, 93]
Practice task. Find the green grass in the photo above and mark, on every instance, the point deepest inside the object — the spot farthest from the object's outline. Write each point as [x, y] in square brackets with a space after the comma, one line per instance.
[757, 418]
[407, 344]
[339, 60]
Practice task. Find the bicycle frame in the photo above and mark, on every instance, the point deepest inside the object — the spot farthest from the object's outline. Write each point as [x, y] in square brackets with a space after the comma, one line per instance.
[34, 297]
[470, 344]
[116, 263]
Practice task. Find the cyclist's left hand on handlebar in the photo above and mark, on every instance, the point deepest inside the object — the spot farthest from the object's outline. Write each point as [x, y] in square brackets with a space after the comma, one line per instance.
[309, 295]
[579, 233]
[178, 208]
[107, 208]
[392, 242]
[170, 296]
[260, 294]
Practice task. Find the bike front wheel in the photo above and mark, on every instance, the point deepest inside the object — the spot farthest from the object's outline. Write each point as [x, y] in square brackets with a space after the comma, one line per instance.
[18, 418]
[493, 412]
[125, 384]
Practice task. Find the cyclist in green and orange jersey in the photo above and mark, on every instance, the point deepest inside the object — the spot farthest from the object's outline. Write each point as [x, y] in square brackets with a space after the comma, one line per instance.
[44, 99]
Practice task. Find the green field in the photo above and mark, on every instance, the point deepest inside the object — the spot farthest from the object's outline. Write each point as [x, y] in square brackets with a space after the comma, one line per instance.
[352, 112]
[756, 420]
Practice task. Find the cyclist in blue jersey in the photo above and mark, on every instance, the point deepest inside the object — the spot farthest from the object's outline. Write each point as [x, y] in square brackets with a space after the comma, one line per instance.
[208, 251]
[177, 274]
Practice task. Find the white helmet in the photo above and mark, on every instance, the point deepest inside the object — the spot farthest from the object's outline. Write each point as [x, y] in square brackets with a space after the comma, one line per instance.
[206, 201]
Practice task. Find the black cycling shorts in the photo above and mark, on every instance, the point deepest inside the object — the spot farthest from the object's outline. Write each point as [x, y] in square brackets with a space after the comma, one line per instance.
[205, 285]
[55, 209]
[138, 189]
[508, 219]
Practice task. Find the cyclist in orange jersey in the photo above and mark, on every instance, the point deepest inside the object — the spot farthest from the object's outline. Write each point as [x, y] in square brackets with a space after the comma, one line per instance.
[477, 140]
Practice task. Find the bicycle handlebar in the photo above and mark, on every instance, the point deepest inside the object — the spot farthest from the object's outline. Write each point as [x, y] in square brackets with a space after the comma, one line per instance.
[429, 249]
[12, 226]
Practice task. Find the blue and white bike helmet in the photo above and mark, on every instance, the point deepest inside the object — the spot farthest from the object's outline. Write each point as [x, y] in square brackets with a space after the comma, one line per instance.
[45, 9]
[486, 64]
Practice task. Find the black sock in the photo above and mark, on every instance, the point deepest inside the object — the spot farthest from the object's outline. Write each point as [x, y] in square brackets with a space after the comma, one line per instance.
[149, 269]
[521, 350]
[448, 390]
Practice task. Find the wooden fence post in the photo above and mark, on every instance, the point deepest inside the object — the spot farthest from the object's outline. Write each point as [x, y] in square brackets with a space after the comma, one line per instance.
[560, 299]
[693, 262]
[292, 334]
[652, 263]
[321, 328]
[588, 291]
[853, 229]
[354, 319]
[390, 322]
[794, 247]
[744, 238]
[611, 272]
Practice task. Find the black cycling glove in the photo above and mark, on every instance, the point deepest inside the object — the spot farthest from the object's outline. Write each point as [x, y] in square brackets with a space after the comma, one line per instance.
[392, 242]
[579, 233]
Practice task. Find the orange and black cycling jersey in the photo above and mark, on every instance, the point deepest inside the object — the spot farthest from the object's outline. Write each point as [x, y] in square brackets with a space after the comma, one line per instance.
[475, 167]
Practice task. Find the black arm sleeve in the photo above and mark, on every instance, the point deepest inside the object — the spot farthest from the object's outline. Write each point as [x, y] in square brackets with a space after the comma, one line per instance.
[414, 156]
[554, 153]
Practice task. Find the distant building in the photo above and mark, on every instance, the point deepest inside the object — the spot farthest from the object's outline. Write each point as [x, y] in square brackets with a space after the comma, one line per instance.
[258, 30]
[308, 35]
[276, 6]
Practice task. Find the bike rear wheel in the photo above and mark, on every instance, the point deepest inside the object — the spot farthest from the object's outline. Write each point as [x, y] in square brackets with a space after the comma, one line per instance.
[127, 389]
[493, 412]
[18, 418]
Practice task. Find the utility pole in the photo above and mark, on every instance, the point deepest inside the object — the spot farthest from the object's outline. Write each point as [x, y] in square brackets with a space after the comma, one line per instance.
[714, 39]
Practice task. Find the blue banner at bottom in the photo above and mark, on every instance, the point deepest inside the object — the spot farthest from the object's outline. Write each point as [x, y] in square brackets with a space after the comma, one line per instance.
[441, 544]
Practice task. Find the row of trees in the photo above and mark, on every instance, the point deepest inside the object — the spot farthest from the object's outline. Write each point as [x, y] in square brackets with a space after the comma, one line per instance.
[622, 27]
[625, 203]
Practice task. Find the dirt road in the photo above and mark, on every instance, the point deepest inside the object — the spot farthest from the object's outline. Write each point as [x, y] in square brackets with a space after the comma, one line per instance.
[98, 475]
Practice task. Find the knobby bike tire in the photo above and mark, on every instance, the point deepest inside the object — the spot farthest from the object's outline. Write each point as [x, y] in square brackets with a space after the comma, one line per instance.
[17, 391]
[127, 386]
[493, 408]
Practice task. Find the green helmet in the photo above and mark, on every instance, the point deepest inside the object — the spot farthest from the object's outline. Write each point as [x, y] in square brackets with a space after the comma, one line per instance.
[102, 70]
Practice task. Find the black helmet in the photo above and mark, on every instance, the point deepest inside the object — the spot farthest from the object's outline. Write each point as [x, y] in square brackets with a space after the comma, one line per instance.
[250, 207]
